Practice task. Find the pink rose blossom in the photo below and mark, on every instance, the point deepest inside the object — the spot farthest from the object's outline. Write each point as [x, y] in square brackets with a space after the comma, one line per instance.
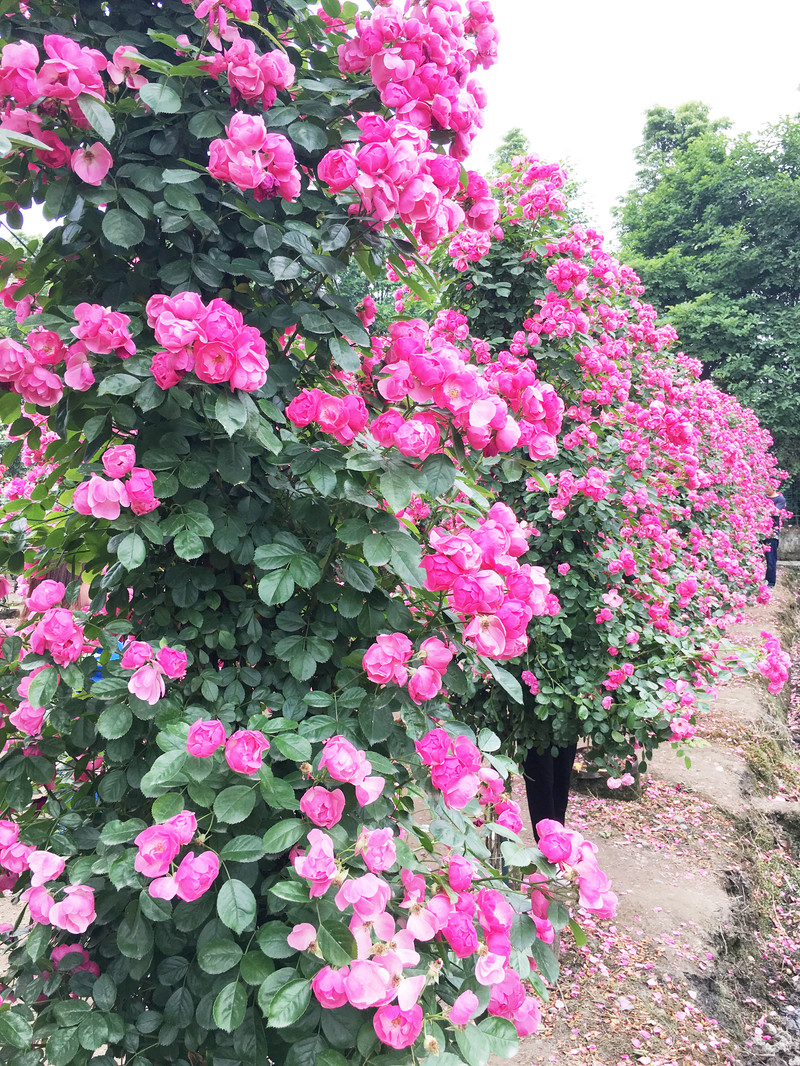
[244, 751]
[464, 1008]
[158, 845]
[205, 737]
[44, 867]
[196, 874]
[172, 662]
[91, 163]
[119, 460]
[322, 807]
[396, 1027]
[147, 683]
[75, 912]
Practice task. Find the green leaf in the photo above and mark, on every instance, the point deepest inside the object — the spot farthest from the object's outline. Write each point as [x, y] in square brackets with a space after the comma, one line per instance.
[163, 772]
[474, 1046]
[337, 943]
[281, 836]
[289, 1003]
[243, 849]
[236, 905]
[344, 355]
[93, 1031]
[272, 939]
[231, 412]
[180, 176]
[546, 961]
[122, 228]
[276, 587]
[293, 747]
[114, 722]
[187, 545]
[504, 678]
[230, 1007]
[358, 575]
[160, 98]
[503, 1039]
[440, 474]
[104, 992]
[397, 488]
[308, 136]
[15, 1031]
[96, 114]
[234, 804]
[218, 955]
[305, 571]
[134, 936]
[132, 551]
[62, 1046]
[43, 687]
[283, 269]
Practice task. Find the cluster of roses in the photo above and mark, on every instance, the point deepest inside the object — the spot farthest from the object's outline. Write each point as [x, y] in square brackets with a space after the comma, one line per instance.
[68, 72]
[252, 158]
[350, 765]
[104, 498]
[472, 923]
[423, 365]
[253, 76]
[468, 246]
[28, 368]
[494, 596]
[387, 660]
[159, 845]
[457, 772]
[341, 416]
[396, 174]
[244, 749]
[421, 57]
[776, 663]
[150, 668]
[74, 912]
[211, 340]
[576, 857]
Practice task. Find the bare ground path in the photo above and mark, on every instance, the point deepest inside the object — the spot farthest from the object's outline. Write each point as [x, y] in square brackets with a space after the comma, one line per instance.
[701, 966]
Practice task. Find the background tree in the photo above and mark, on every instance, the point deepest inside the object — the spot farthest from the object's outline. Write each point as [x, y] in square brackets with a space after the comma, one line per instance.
[712, 227]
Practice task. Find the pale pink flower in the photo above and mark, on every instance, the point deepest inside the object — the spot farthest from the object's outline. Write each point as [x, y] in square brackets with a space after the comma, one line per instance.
[91, 163]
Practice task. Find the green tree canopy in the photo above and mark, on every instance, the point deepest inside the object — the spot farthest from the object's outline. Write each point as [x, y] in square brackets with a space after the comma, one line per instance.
[713, 228]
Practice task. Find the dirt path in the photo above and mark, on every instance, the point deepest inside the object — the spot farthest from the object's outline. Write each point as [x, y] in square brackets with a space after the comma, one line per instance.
[701, 966]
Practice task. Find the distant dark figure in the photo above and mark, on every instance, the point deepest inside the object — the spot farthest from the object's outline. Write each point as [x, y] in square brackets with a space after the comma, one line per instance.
[772, 544]
[547, 778]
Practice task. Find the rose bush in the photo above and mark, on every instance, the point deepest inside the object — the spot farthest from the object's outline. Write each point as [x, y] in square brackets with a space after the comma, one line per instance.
[215, 758]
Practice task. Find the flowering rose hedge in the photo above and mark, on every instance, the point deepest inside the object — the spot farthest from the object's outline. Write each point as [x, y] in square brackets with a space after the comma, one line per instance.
[236, 804]
[651, 518]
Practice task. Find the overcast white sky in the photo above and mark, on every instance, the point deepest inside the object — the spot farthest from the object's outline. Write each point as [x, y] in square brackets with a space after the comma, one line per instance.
[577, 76]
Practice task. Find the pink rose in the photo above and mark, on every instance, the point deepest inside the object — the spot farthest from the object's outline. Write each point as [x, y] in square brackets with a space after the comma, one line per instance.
[186, 825]
[460, 933]
[377, 849]
[158, 845]
[135, 654]
[205, 737]
[328, 986]
[302, 411]
[244, 751]
[75, 912]
[172, 662]
[322, 807]
[40, 903]
[460, 873]
[344, 761]
[368, 895]
[119, 461]
[104, 499]
[463, 1008]
[424, 684]
[385, 660]
[148, 683]
[140, 491]
[47, 594]
[338, 169]
[44, 867]
[196, 874]
[318, 864]
[396, 1027]
[91, 163]
[58, 633]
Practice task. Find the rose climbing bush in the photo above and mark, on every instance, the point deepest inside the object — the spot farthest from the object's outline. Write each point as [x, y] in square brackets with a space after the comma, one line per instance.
[222, 724]
[651, 517]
